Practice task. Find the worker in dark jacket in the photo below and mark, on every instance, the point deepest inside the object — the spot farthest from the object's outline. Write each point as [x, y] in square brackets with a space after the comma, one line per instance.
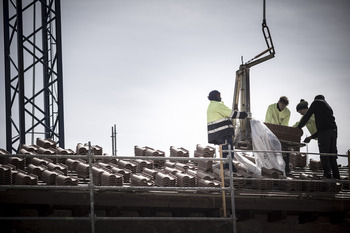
[302, 108]
[326, 133]
[220, 126]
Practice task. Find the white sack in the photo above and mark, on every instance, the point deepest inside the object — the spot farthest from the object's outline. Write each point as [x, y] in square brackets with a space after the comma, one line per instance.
[250, 166]
[264, 140]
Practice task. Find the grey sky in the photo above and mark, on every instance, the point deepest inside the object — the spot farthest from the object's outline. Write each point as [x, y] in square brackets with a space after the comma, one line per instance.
[148, 66]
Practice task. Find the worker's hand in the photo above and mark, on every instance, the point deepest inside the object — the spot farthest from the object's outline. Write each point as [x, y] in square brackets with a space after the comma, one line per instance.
[307, 139]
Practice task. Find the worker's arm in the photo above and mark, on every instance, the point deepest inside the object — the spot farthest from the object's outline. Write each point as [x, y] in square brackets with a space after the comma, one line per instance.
[296, 124]
[227, 112]
[284, 117]
[268, 116]
[224, 110]
[285, 120]
[308, 139]
[306, 117]
[315, 135]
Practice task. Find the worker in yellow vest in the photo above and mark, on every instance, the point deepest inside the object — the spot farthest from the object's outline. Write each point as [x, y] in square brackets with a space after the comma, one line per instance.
[302, 108]
[278, 113]
[219, 122]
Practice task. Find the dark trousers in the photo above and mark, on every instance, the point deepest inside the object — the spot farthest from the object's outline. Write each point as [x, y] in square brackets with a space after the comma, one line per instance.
[286, 158]
[327, 143]
[225, 142]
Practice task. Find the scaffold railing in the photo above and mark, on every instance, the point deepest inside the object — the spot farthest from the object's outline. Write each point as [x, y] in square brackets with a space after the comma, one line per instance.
[92, 189]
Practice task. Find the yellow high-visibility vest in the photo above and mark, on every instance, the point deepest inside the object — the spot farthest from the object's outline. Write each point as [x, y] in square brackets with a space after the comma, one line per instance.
[277, 117]
[217, 110]
[310, 125]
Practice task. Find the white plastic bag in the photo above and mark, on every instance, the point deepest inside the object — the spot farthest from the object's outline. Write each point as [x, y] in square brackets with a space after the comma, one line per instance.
[250, 166]
[264, 140]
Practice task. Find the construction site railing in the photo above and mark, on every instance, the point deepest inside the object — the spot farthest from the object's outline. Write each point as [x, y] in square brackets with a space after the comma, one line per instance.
[95, 188]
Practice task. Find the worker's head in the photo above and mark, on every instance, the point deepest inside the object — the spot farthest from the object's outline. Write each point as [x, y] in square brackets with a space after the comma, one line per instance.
[319, 97]
[302, 107]
[214, 96]
[283, 102]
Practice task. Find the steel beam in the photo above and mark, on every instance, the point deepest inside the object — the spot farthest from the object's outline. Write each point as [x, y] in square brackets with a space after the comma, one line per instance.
[34, 100]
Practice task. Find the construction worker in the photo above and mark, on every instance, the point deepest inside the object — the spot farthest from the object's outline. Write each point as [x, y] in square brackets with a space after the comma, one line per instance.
[278, 113]
[326, 133]
[220, 126]
[302, 108]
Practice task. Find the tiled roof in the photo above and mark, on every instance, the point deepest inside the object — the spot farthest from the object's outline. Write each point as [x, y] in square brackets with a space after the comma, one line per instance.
[152, 172]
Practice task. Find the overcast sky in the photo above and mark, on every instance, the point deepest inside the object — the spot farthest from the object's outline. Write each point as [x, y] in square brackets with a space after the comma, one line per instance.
[148, 66]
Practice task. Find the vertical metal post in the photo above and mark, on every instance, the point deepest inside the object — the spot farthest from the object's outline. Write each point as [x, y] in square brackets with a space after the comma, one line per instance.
[34, 75]
[233, 207]
[245, 105]
[114, 140]
[21, 107]
[7, 77]
[46, 76]
[59, 74]
[222, 184]
[112, 136]
[241, 102]
[91, 189]
[349, 165]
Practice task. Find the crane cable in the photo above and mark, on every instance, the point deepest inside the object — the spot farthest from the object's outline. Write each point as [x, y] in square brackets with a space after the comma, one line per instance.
[266, 31]
[264, 12]
[268, 40]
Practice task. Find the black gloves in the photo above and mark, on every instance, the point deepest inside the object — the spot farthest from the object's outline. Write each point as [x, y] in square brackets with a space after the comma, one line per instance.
[238, 115]
[243, 115]
[307, 139]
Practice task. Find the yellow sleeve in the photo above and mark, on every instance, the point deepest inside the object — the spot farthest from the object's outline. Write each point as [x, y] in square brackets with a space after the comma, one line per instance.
[269, 115]
[296, 124]
[224, 110]
[311, 125]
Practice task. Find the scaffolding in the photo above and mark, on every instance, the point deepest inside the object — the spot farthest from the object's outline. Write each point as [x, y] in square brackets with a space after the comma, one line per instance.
[33, 72]
[92, 189]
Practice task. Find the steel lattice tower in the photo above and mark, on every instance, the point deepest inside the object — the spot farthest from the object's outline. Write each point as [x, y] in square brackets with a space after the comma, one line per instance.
[33, 72]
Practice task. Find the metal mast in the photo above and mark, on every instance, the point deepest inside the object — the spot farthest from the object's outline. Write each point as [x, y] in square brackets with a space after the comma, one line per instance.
[241, 96]
[33, 72]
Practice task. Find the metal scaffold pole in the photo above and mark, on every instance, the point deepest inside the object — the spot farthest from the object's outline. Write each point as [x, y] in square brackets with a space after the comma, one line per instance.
[233, 207]
[349, 165]
[114, 140]
[222, 184]
[91, 189]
